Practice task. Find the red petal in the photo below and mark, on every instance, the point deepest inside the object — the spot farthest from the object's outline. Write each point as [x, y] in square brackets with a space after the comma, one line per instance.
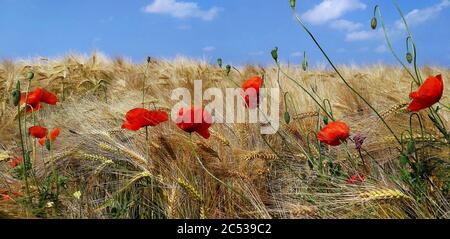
[37, 131]
[334, 133]
[203, 131]
[34, 97]
[54, 134]
[154, 118]
[253, 82]
[42, 141]
[429, 93]
[130, 126]
[49, 98]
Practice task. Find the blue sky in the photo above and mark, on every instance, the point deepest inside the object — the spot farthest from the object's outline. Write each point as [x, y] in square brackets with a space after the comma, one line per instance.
[239, 31]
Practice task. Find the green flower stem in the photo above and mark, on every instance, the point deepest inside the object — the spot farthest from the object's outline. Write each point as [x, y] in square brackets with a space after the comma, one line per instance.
[55, 173]
[416, 69]
[306, 91]
[24, 173]
[390, 45]
[343, 79]
[143, 84]
[25, 147]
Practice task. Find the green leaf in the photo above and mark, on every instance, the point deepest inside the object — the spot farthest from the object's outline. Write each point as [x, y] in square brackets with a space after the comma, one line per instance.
[404, 160]
[411, 147]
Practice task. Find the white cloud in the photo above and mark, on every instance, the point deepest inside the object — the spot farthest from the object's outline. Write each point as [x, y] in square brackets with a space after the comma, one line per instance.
[362, 35]
[329, 10]
[418, 16]
[179, 9]
[297, 54]
[209, 49]
[345, 25]
[381, 49]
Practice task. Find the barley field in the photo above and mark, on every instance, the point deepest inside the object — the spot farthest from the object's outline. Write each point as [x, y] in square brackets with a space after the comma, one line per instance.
[96, 169]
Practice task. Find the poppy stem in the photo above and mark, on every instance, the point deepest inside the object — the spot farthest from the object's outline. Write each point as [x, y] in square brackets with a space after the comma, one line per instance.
[55, 173]
[305, 90]
[25, 145]
[343, 79]
[416, 69]
[143, 83]
[388, 42]
[22, 144]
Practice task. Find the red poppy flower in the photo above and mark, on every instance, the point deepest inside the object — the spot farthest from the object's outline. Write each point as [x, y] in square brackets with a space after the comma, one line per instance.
[334, 133]
[359, 178]
[36, 97]
[15, 161]
[53, 135]
[137, 118]
[255, 84]
[429, 93]
[194, 119]
[37, 132]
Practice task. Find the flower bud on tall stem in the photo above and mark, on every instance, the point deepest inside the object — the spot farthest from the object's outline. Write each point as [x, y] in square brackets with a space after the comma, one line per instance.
[227, 70]
[373, 22]
[305, 62]
[274, 54]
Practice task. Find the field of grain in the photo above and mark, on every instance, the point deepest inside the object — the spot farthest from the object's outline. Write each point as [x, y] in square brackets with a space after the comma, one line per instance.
[104, 171]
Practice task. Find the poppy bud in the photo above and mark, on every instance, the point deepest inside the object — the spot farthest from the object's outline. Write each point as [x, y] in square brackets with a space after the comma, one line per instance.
[305, 62]
[16, 97]
[411, 147]
[30, 75]
[287, 117]
[149, 59]
[48, 144]
[227, 69]
[274, 53]
[325, 120]
[373, 23]
[292, 4]
[219, 62]
[409, 57]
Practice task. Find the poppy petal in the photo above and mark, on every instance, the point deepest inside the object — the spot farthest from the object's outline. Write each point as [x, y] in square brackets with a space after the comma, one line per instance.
[204, 132]
[429, 93]
[49, 98]
[54, 134]
[130, 126]
[42, 141]
[37, 131]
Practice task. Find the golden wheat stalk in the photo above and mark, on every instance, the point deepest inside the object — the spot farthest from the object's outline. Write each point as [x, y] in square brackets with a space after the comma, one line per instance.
[393, 109]
[383, 194]
[190, 190]
[220, 138]
[305, 115]
[416, 137]
[95, 157]
[144, 174]
[259, 155]
[171, 203]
